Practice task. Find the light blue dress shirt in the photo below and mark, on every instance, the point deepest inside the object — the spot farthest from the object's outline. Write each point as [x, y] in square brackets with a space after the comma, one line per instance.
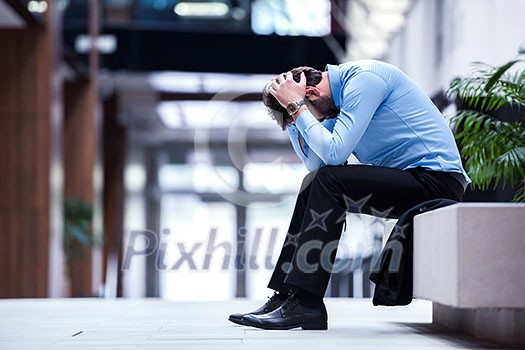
[385, 119]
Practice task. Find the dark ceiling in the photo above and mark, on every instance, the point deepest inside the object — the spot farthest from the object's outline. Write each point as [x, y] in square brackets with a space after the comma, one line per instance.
[154, 50]
[149, 40]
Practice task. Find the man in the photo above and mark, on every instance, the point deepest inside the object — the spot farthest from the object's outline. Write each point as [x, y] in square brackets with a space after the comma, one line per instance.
[372, 110]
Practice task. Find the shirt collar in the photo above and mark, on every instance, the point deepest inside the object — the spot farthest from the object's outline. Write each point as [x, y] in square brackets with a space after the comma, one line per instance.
[335, 83]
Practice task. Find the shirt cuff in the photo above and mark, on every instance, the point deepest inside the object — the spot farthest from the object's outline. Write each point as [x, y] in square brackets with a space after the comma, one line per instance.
[305, 120]
[292, 129]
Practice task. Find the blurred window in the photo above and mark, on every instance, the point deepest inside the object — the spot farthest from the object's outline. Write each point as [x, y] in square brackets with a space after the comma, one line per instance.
[267, 224]
[198, 178]
[291, 17]
[262, 17]
[194, 226]
[276, 177]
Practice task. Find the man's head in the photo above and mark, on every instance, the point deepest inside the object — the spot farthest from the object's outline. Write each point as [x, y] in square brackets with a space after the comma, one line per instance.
[317, 93]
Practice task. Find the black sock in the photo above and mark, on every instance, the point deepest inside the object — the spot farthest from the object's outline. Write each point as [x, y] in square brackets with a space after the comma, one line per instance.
[282, 295]
[308, 299]
[286, 291]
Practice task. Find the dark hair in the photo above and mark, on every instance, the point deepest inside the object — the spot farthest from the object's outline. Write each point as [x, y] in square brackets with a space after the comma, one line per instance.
[274, 108]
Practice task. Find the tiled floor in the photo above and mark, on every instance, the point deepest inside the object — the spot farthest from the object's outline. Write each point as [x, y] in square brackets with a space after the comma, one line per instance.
[158, 324]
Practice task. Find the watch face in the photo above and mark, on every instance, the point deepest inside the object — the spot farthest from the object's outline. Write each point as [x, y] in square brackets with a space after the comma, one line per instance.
[291, 108]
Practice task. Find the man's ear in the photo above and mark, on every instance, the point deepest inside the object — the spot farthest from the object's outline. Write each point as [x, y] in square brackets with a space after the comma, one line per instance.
[312, 91]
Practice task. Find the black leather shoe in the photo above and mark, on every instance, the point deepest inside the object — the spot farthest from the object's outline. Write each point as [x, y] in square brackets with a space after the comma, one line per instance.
[273, 303]
[290, 315]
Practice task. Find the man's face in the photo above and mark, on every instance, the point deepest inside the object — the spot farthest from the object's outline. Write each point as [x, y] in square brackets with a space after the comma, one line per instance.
[324, 107]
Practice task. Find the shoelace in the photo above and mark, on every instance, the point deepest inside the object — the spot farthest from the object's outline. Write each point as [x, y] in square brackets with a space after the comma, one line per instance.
[271, 300]
[290, 303]
[274, 297]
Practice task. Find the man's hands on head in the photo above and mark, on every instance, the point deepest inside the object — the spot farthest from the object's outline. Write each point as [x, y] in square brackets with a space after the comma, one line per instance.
[286, 90]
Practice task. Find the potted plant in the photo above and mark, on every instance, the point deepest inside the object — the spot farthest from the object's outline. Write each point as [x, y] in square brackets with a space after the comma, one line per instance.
[493, 149]
[78, 238]
[78, 243]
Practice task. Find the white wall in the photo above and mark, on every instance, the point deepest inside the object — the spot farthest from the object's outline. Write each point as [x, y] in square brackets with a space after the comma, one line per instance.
[471, 30]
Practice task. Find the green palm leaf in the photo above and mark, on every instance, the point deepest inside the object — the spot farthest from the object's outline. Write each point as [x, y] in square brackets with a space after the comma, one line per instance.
[494, 150]
[489, 88]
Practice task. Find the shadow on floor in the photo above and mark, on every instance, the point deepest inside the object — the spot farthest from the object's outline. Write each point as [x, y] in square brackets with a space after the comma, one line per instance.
[452, 337]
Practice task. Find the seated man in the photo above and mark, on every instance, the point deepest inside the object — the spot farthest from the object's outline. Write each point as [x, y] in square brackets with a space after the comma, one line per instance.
[370, 109]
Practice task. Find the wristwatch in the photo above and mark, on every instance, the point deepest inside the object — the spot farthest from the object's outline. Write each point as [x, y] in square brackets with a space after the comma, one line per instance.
[293, 107]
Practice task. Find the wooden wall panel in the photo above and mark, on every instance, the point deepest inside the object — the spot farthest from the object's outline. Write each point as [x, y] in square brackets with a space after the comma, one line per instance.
[27, 67]
[81, 154]
[80, 135]
[81, 132]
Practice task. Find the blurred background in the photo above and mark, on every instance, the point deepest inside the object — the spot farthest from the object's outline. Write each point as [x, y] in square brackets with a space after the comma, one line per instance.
[138, 161]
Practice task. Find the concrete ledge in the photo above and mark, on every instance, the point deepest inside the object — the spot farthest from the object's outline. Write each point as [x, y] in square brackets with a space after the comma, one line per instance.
[469, 259]
[471, 255]
[505, 326]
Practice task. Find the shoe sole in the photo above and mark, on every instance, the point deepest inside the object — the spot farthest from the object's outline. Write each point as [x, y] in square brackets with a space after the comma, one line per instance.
[321, 326]
[315, 326]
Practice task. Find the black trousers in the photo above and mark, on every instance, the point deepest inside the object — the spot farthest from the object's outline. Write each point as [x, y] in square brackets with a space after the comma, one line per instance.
[309, 251]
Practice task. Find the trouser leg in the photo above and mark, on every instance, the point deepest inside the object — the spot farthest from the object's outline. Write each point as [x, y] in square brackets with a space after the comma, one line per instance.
[307, 260]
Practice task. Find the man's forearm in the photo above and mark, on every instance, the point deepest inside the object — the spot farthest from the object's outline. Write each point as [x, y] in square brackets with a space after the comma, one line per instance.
[311, 161]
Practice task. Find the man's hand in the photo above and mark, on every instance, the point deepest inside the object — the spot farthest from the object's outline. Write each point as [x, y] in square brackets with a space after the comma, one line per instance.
[286, 90]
